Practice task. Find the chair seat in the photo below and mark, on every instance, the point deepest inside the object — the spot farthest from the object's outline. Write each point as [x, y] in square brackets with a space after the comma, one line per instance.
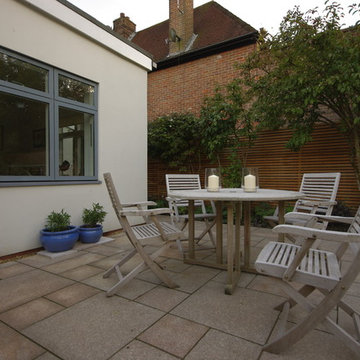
[271, 218]
[288, 220]
[199, 216]
[318, 268]
[148, 231]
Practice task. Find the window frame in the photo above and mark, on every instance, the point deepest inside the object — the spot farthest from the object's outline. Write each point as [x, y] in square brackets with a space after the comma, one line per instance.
[54, 101]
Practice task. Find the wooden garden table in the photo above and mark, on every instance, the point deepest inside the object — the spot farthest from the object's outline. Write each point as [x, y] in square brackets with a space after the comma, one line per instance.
[231, 198]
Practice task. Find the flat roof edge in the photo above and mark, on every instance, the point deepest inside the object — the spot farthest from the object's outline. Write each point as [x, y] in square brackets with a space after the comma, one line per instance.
[191, 55]
[73, 17]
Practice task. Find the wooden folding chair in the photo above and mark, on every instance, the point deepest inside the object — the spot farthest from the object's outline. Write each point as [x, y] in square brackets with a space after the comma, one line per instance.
[189, 182]
[313, 269]
[320, 191]
[152, 230]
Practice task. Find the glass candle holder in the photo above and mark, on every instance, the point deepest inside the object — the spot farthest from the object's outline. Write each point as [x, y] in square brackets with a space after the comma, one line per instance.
[250, 179]
[212, 179]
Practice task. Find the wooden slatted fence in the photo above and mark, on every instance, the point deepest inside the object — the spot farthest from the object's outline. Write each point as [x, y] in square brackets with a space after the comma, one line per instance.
[281, 168]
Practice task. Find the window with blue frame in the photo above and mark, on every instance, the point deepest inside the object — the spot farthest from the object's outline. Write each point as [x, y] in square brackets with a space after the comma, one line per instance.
[48, 123]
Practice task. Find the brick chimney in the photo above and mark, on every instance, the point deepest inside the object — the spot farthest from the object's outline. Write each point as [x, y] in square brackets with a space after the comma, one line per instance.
[124, 26]
[181, 24]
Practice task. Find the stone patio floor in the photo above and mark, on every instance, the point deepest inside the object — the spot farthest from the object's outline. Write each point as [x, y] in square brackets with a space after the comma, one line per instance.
[58, 309]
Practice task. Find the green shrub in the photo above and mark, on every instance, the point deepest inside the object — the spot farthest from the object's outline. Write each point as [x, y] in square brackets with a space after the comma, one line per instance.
[58, 221]
[340, 209]
[95, 215]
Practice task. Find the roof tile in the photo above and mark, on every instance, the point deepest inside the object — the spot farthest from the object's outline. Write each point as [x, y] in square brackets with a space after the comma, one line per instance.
[212, 23]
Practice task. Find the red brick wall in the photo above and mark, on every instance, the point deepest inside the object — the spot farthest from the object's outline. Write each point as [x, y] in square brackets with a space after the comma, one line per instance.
[182, 88]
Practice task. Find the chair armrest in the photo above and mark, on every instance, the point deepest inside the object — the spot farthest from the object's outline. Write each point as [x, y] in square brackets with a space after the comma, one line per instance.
[307, 232]
[150, 212]
[140, 203]
[316, 203]
[330, 218]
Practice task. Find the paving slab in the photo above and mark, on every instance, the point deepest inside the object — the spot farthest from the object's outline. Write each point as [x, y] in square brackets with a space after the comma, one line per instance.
[47, 356]
[245, 313]
[82, 272]
[25, 315]
[266, 284]
[14, 346]
[216, 345]
[38, 261]
[131, 290]
[194, 277]
[104, 250]
[162, 298]
[57, 255]
[93, 329]
[79, 246]
[354, 289]
[138, 350]
[108, 261]
[13, 268]
[72, 294]
[175, 265]
[316, 345]
[174, 335]
[93, 326]
[244, 281]
[20, 289]
[6, 263]
[86, 246]
[121, 242]
[73, 263]
[149, 276]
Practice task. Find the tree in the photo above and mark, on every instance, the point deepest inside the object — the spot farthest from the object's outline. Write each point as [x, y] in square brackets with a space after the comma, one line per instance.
[308, 74]
[225, 124]
[175, 140]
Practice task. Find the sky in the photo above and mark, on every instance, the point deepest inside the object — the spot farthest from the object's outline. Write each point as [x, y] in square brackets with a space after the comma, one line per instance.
[257, 13]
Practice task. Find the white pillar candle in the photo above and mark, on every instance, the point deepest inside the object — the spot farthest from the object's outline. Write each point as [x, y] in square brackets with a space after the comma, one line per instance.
[250, 182]
[213, 183]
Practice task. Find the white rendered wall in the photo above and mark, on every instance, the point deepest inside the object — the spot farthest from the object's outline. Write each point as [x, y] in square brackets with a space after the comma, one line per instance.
[122, 124]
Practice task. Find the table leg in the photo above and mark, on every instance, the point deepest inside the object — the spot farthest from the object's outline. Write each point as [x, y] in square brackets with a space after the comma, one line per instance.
[233, 273]
[247, 215]
[237, 235]
[191, 225]
[190, 258]
[281, 215]
[219, 233]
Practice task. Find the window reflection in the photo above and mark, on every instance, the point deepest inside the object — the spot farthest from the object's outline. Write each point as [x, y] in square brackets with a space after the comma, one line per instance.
[23, 73]
[23, 136]
[76, 90]
[76, 143]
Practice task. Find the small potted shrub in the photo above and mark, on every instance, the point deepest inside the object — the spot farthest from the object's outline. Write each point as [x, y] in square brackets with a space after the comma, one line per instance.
[93, 218]
[58, 234]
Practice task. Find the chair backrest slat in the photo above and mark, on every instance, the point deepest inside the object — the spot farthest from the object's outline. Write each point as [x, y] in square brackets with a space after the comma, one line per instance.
[318, 187]
[182, 182]
[115, 201]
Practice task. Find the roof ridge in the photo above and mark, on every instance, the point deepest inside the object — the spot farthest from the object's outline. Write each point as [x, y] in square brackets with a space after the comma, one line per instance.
[212, 23]
[229, 13]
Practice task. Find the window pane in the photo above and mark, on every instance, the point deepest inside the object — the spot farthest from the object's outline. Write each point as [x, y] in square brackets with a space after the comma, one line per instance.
[76, 143]
[23, 73]
[23, 136]
[76, 90]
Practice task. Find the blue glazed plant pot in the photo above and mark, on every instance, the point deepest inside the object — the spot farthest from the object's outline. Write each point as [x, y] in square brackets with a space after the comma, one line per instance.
[90, 235]
[60, 240]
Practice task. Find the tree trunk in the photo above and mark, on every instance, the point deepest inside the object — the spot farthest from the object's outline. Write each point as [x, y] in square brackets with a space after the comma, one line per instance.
[354, 137]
